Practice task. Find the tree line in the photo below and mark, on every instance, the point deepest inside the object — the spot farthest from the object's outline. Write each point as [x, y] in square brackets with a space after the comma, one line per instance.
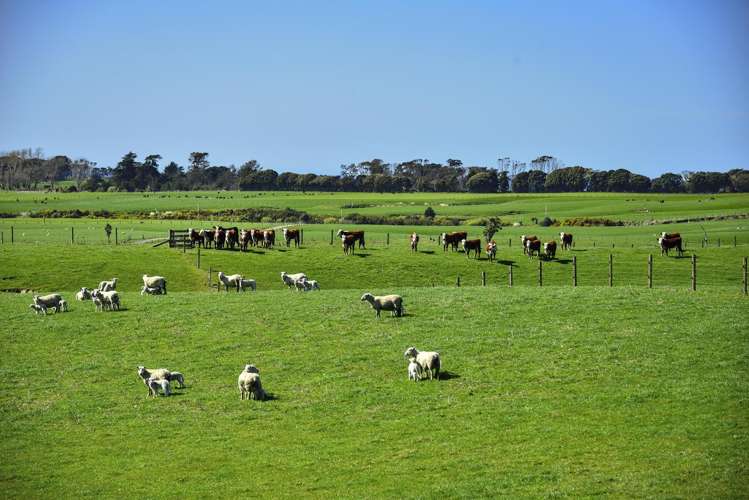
[30, 170]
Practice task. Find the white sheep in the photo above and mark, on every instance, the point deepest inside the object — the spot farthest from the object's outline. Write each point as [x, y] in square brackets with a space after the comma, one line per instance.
[428, 361]
[249, 384]
[300, 284]
[392, 303]
[247, 283]
[106, 300]
[231, 280]
[151, 291]
[156, 374]
[413, 371]
[48, 301]
[291, 279]
[38, 309]
[155, 282]
[98, 300]
[108, 285]
[83, 294]
[154, 384]
[63, 305]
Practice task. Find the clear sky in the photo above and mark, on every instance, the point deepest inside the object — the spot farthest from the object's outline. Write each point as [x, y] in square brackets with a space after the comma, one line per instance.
[652, 86]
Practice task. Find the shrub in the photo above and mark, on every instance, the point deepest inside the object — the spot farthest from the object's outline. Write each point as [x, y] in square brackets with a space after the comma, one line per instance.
[430, 213]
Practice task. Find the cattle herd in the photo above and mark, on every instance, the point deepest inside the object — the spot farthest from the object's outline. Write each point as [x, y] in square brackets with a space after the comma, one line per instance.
[229, 238]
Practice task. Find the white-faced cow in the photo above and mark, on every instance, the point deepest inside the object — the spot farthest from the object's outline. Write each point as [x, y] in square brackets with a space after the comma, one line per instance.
[550, 249]
[452, 239]
[524, 242]
[533, 246]
[667, 244]
[414, 242]
[471, 246]
[358, 236]
[491, 250]
[348, 243]
[196, 238]
[566, 240]
[291, 235]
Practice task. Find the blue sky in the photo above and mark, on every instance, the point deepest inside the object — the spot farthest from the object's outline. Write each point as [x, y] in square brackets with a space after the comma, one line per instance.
[652, 86]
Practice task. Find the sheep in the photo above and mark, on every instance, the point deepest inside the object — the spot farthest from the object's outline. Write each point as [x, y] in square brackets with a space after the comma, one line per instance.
[249, 384]
[38, 309]
[300, 284]
[291, 279]
[232, 280]
[48, 301]
[178, 377]
[108, 285]
[392, 303]
[413, 371]
[155, 282]
[428, 361]
[98, 300]
[63, 306]
[154, 384]
[151, 291]
[247, 283]
[310, 285]
[106, 300]
[158, 373]
[83, 294]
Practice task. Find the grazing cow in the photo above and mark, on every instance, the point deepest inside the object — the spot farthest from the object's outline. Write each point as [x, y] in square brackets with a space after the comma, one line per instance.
[414, 242]
[232, 237]
[670, 236]
[491, 250]
[524, 240]
[358, 235]
[452, 239]
[245, 238]
[196, 237]
[532, 246]
[669, 243]
[566, 240]
[220, 237]
[550, 249]
[471, 246]
[269, 238]
[291, 234]
[209, 235]
[348, 242]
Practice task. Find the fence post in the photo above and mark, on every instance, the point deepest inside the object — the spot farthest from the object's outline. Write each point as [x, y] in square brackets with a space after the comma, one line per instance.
[510, 275]
[2, 237]
[594, 244]
[301, 236]
[72, 235]
[540, 272]
[457, 283]
[12, 236]
[388, 241]
[650, 270]
[509, 242]
[331, 236]
[694, 272]
[745, 281]
[115, 236]
[734, 241]
[718, 242]
[210, 272]
[574, 270]
[198, 256]
[611, 270]
[483, 278]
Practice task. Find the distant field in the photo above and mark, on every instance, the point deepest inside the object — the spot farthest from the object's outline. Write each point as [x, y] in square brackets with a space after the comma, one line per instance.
[510, 207]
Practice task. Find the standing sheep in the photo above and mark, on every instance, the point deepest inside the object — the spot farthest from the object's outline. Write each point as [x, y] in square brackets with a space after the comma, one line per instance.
[155, 282]
[38, 309]
[83, 294]
[154, 384]
[247, 283]
[48, 301]
[105, 286]
[413, 371]
[392, 303]
[249, 384]
[290, 279]
[230, 281]
[151, 291]
[428, 361]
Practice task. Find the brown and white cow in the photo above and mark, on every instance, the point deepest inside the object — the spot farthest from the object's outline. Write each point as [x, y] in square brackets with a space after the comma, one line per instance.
[524, 242]
[245, 238]
[348, 243]
[471, 246]
[533, 246]
[257, 237]
[669, 236]
[269, 238]
[291, 235]
[566, 240]
[491, 250]
[358, 235]
[550, 249]
[452, 239]
[220, 235]
[232, 237]
[667, 244]
[414, 242]
[196, 237]
[208, 237]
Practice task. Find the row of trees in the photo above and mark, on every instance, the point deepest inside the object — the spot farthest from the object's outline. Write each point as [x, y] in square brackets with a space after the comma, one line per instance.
[28, 169]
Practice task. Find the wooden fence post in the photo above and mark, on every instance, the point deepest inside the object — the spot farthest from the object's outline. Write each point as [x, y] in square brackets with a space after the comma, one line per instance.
[745, 281]
[457, 283]
[718, 242]
[574, 270]
[594, 244]
[611, 270]
[540, 272]
[734, 241]
[510, 273]
[198, 256]
[650, 270]
[2, 237]
[115, 236]
[694, 272]
[72, 235]
[210, 272]
[301, 236]
[483, 278]
[509, 242]
[331, 236]
[388, 241]
[12, 235]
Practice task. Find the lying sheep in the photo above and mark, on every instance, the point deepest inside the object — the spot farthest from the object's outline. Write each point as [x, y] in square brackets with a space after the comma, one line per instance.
[83, 294]
[232, 280]
[154, 384]
[249, 384]
[151, 291]
[428, 361]
[392, 303]
[247, 283]
[155, 282]
[48, 301]
[413, 371]
[291, 279]
[105, 286]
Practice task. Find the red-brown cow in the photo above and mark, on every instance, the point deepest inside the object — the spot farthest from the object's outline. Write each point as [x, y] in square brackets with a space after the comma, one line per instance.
[291, 235]
[414, 242]
[245, 238]
[359, 236]
[533, 246]
[208, 236]
[566, 239]
[669, 243]
[472, 246]
[348, 243]
[196, 237]
[491, 250]
[524, 240]
[269, 238]
[550, 249]
[232, 237]
[220, 237]
[452, 239]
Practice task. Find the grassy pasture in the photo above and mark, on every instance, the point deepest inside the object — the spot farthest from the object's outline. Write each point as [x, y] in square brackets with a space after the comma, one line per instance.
[511, 207]
[554, 392]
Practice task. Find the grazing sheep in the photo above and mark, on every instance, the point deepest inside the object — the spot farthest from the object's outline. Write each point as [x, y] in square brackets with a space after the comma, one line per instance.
[48, 301]
[158, 373]
[232, 280]
[105, 286]
[83, 294]
[291, 279]
[249, 384]
[38, 309]
[413, 371]
[428, 361]
[178, 377]
[155, 282]
[151, 291]
[154, 384]
[310, 285]
[392, 303]
[247, 283]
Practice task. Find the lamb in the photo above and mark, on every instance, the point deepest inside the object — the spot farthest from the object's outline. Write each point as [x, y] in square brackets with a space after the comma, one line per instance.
[249, 384]
[291, 279]
[48, 301]
[38, 309]
[151, 291]
[154, 384]
[232, 280]
[158, 373]
[247, 283]
[178, 377]
[300, 284]
[98, 300]
[155, 282]
[63, 306]
[392, 303]
[106, 300]
[108, 285]
[428, 361]
[310, 285]
[83, 294]
[413, 371]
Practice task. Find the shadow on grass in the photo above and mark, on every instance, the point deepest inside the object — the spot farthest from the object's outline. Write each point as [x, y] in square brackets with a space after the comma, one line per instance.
[564, 261]
[362, 255]
[448, 375]
[428, 252]
[685, 256]
[506, 262]
[579, 250]
[269, 396]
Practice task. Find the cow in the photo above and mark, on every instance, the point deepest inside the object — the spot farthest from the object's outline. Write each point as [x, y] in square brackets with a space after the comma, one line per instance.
[359, 235]
[291, 234]
[232, 237]
[532, 246]
[670, 236]
[269, 238]
[550, 249]
[668, 243]
[452, 239]
[566, 240]
[471, 246]
[257, 237]
[414, 242]
[220, 237]
[491, 250]
[245, 238]
[348, 242]
[209, 236]
[196, 237]
[524, 240]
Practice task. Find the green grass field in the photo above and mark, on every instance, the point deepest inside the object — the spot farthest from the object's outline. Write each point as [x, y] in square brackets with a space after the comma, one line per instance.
[510, 207]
